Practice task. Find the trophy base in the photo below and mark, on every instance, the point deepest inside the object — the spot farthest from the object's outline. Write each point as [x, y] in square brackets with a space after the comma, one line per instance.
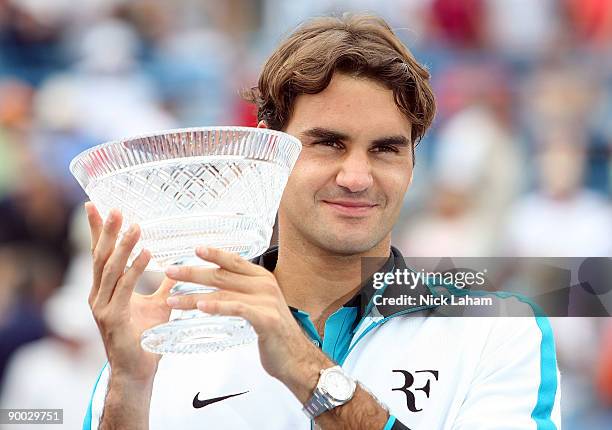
[201, 333]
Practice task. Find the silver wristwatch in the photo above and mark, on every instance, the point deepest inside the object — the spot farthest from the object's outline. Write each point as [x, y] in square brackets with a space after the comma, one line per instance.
[334, 388]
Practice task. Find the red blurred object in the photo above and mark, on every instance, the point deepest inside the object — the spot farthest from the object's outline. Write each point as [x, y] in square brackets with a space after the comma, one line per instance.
[460, 22]
[15, 102]
[465, 84]
[245, 114]
[592, 20]
[604, 369]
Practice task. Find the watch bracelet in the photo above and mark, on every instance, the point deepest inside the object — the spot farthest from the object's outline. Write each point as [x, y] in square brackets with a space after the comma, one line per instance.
[319, 404]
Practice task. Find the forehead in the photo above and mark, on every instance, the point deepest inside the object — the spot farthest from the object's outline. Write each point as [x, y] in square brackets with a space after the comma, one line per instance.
[359, 107]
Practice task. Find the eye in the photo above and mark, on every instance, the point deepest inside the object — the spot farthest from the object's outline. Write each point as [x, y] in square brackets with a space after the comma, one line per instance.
[385, 148]
[329, 143]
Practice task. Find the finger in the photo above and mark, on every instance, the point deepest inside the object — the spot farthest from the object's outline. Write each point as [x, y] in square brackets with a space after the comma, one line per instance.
[115, 265]
[228, 261]
[164, 288]
[95, 224]
[217, 277]
[233, 308]
[104, 248]
[190, 301]
[127, 283]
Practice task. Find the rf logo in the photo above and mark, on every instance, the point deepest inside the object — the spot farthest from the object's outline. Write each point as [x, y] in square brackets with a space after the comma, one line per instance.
[409, 381]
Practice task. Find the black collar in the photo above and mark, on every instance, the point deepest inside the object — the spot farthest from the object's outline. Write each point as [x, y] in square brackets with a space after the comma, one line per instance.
[364, 298]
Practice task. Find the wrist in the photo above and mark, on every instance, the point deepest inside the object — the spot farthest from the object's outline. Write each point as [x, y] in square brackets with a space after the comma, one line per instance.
[302, 376]
[334, 388]
[129, 395]
[141, 377]
[127, 382]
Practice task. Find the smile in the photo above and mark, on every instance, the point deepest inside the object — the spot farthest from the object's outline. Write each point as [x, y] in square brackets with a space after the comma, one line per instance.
[351, 208]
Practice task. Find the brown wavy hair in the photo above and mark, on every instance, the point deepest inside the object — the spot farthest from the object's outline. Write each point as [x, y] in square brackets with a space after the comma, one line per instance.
[356, 44]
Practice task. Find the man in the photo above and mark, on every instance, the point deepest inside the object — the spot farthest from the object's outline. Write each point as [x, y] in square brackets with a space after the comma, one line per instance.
[359, 102]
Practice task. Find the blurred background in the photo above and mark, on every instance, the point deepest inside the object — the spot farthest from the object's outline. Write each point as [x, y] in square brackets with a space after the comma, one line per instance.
[517, 163]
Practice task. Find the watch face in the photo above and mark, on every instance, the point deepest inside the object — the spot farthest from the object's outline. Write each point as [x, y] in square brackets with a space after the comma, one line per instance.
[337, 385]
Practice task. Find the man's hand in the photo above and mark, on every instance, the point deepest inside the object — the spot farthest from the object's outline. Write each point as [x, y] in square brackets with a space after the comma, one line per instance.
[120, 313]
[252, 292]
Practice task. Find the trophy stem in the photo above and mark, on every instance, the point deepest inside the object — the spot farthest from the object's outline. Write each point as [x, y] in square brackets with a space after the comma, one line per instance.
[186, 288]
[194, 331]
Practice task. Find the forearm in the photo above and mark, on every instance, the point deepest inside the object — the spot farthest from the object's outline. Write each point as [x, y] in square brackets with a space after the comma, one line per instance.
[127, 405]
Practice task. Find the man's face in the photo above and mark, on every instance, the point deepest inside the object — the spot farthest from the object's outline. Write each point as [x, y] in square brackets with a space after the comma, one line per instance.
[347, 187]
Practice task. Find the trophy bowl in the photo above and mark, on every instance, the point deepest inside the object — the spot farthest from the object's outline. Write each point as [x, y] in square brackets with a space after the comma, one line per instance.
[209, 186]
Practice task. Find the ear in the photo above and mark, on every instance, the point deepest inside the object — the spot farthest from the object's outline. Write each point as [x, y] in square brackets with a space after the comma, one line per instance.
[262, 124]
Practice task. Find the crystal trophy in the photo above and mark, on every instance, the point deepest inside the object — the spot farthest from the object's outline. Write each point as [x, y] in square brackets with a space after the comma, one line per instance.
[210, 186]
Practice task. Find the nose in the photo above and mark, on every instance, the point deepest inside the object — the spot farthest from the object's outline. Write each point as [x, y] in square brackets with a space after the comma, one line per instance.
[355, 172]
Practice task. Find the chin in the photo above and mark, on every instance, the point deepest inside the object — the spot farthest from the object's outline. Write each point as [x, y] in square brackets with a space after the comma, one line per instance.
[348, 245]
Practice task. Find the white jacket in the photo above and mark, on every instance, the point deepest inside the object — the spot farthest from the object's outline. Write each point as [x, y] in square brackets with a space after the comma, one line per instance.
[431, 372]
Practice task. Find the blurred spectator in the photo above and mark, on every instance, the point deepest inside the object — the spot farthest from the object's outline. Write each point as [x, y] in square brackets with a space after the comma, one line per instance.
[36, 213]
[476, 171]
[447, 227]
[67, 361]
[561, 218]
[15, 117]
[30, 43]
[106, 94]
[525, 41]
[29, 277]
[477, 150]
[15, 103]
[560, 94]
[59, 370]
[194, 70]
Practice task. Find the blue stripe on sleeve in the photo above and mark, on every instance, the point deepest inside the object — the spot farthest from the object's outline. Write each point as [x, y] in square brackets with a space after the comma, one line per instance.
[548, 382]
[548, 370]
[390, 423]
[87, 420]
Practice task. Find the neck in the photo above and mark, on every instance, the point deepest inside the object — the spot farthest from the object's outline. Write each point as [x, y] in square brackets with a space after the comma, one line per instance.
[319, 281]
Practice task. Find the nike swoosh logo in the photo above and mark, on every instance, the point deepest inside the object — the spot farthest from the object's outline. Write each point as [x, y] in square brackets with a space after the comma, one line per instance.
[197, 403]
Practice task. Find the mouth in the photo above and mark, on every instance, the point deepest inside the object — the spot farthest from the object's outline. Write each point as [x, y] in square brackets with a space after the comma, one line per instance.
[351, 207]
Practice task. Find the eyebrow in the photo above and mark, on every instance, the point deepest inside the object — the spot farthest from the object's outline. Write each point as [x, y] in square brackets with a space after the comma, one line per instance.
[398, 140]
[324, 133]
[327, 134]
